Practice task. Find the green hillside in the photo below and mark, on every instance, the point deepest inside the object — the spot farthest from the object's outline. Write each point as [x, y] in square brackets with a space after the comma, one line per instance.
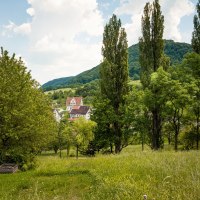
[174, 50]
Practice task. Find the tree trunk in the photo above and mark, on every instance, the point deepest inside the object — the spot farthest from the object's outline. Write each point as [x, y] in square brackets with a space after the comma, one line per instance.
[176, 141]
[118, 147]
[169, 138]
[156, 130]
[142, 141]
[118, 138]
[59, 141]
[76, 151]
[197, 138]
[68, 149]
[177, 129]
[60, 153]
[118, 132]
[55, 150]
[111, 148]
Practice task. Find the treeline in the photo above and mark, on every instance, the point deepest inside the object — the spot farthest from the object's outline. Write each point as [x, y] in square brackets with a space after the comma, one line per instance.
[166, 107]
[87, 91]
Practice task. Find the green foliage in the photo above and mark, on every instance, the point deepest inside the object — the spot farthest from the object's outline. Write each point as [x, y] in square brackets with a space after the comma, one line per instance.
[88, 89]
[133, 61]
[68, 136]
[176, 51]
[102, 114]
[137, 117]
[176, 95]
[59, 97]
[114, 69]
[151, 46]
[83, 133]
[196, 32]
[114, 75]
[26, 118]
[56, 83]
[155, 98]
[177, 101]
[190, 69]
[188, 138]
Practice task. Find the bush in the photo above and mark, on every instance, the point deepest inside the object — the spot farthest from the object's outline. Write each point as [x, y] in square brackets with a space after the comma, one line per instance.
[188, 139]
[24, 160]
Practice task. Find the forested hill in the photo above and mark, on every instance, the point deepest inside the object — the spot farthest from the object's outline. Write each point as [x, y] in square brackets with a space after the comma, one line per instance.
[174, 50]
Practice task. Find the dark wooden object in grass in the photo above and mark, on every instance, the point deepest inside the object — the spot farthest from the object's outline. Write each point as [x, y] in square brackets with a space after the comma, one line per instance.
[8, 168]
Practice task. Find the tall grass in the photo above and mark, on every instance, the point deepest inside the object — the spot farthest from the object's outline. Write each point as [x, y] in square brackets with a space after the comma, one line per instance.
[130, 175]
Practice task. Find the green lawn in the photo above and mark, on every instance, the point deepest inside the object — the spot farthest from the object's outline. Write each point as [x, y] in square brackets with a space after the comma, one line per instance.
[130, 175]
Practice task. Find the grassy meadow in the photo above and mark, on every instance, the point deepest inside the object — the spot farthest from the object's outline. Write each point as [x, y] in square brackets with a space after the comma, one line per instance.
[163, 175]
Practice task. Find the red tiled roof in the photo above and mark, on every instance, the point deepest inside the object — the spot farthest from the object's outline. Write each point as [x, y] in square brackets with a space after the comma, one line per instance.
[81, 111]
[77, 99]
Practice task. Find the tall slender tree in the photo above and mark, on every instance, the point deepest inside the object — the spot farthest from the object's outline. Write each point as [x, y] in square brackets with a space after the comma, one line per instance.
[151, 47]
[196, 48]
[145, 47]
[114, 74]
[196, 32]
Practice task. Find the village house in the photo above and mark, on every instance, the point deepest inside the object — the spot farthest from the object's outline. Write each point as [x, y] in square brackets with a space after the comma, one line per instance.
[76, 109]
[73, 103]
[82, 111]
[58, 114]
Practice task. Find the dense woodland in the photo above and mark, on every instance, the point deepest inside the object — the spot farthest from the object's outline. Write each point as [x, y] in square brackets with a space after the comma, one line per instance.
[162, 108]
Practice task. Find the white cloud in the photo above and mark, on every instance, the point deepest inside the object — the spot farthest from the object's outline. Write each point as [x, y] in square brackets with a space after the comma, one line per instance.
[135, 9]
[54, 48]
[173, 11]
[23, 29]
[30, 11]
[173, 15]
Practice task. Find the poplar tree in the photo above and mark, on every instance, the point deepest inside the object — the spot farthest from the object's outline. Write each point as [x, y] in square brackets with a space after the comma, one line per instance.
[151, 47]
[196, 32]
[145, 47]
[114, 75]
[195, 69]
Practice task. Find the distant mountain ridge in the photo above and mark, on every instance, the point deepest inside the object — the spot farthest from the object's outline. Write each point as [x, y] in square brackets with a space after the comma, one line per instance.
[175, 50]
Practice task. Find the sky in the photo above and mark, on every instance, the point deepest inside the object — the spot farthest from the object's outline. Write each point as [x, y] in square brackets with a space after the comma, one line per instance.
[61, 38]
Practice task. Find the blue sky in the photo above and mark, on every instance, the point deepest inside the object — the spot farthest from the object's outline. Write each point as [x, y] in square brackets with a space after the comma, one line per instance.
[59, 38]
